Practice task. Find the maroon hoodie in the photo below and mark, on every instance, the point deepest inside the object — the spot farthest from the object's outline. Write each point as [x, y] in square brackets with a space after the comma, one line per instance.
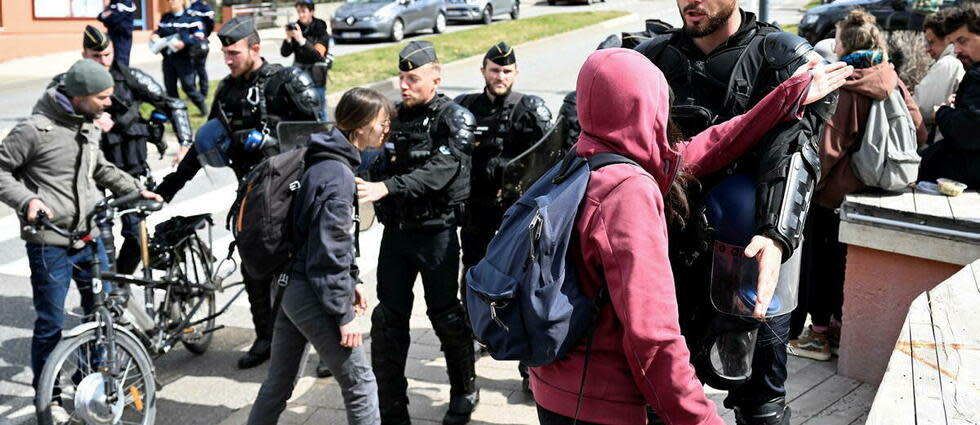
[639, 357]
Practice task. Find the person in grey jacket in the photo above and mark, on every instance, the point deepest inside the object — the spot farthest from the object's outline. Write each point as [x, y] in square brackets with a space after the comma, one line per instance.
[323, 294]
[52, 163]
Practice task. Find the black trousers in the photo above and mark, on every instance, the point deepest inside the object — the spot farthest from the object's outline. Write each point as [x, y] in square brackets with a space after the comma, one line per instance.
[201, 69]
[181, 67]
[404, 255]
[822, 275]
[260, 303]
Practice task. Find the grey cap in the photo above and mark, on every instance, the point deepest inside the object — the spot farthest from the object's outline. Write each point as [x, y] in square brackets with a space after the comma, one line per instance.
[86, 77]
[236, 29]
[416, 54]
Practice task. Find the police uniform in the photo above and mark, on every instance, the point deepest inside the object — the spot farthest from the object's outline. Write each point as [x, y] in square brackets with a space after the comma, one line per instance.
[125, 144]
[505, 127]
[200, 9]
[119, 24]
[425, 166]
[179, 65]
[709, 89]
[251, 104]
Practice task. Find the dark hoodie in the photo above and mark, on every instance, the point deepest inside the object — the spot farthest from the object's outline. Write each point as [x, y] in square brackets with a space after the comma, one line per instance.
[842, 134]
[323, 223]
[639, 357]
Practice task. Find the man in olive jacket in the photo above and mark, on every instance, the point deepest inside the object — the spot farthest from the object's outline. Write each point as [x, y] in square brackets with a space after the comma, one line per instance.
[51, 162]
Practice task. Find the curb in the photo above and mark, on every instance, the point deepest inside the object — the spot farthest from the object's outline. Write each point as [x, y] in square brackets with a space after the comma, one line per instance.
[391, 84]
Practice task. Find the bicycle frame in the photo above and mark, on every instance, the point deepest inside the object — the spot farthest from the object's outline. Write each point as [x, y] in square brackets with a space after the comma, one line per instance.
[159, 341]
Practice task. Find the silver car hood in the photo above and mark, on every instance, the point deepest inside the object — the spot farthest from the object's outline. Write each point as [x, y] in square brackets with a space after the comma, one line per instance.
[359, 10]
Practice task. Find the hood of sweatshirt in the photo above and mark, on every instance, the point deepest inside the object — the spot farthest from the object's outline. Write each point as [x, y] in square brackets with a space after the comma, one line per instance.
[623, 107]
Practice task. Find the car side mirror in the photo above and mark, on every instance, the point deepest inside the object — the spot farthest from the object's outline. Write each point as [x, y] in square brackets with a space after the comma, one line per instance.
[404, 2]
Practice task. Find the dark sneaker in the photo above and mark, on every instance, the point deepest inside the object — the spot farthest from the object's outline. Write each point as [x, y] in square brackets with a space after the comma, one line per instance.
[322, 371]
[461, 407]
[775, 412]
[258, 354]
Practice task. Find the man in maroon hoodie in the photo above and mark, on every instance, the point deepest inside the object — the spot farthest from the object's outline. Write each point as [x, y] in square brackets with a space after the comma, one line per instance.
[638, 356]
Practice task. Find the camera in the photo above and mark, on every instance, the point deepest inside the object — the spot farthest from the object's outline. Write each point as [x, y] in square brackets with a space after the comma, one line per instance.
[292, 26]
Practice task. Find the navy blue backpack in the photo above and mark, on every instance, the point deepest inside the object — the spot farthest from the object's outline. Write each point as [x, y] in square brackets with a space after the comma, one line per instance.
[523, 298]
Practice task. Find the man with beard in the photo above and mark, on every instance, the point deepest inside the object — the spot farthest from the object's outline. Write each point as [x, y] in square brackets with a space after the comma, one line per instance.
[507, 124]
[51, 163]
[422, 179]
[125, 141]
[249, 104]
[718, 65]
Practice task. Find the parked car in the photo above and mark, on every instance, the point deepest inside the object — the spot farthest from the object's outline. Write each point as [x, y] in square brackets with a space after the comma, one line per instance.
[481, 10]
[387, 19]
[820, 22]
[554, 2]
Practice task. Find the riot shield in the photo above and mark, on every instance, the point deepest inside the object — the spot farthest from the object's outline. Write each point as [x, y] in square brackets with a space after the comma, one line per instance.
[522, 171]
[296, 134]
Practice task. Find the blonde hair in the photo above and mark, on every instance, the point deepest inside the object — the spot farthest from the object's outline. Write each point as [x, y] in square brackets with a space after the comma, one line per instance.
[859, 31]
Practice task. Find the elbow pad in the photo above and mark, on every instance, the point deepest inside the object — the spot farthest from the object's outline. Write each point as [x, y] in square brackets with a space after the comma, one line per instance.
[785, 198]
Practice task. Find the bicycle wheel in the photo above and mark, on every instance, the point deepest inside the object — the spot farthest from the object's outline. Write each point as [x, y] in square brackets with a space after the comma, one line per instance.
[74, 376]
[185, 300]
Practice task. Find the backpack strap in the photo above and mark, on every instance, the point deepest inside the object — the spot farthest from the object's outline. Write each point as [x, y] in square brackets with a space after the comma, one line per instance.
[603, 159]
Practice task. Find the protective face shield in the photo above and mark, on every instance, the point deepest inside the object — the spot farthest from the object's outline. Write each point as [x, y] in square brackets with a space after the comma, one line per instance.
[211, 142]
[730, 209]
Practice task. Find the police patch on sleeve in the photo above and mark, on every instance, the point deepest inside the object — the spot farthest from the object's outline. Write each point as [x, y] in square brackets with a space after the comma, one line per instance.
[444, 150]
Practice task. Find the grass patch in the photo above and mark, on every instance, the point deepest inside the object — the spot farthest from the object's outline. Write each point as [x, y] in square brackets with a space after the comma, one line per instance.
[811, 5]
[377, 64]
[794, 29]
[372, 65]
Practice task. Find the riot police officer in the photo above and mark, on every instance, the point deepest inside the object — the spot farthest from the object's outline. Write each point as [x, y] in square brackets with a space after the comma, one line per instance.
[202, 11]
[118, 20]
[124, 144]
[508, 123]
[719, 64]
[421, 181]
[177, 59]
[247, 107]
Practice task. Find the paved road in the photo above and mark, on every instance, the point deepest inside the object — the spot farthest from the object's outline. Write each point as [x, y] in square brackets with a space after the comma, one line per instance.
[208, 389]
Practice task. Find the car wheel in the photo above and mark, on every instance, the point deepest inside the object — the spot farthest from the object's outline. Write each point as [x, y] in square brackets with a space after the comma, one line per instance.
[551, 2]
[516, 11]
[440, 24]
[397, 30]
[487, 17]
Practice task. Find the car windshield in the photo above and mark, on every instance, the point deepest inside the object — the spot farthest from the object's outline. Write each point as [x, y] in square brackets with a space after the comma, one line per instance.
[369, 1]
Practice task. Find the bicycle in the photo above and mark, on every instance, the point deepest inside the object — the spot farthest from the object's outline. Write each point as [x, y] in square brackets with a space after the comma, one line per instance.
[104, 366]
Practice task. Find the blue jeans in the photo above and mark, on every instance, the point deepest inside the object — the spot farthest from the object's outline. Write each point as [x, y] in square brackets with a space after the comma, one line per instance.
[52, 269]
[322, 92]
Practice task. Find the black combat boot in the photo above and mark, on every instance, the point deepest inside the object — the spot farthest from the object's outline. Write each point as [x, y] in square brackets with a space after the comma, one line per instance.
[389, 352]
[775, 412]
[456, 339]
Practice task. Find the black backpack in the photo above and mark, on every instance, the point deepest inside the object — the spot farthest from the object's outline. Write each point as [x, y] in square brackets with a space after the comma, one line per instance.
[260, 216]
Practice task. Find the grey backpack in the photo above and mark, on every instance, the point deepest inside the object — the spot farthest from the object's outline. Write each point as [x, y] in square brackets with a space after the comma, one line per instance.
[887, 157]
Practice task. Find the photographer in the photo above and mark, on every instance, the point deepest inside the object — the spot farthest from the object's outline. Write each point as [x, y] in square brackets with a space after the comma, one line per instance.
[308, 39]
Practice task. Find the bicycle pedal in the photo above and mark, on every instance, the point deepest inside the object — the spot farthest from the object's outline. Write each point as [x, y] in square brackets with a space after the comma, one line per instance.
[137, 398]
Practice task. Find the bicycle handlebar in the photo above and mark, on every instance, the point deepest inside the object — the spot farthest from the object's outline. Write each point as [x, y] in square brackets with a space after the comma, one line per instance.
[101, 206]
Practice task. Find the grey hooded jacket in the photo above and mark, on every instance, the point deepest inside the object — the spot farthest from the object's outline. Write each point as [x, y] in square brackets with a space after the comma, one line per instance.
[54, 156]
